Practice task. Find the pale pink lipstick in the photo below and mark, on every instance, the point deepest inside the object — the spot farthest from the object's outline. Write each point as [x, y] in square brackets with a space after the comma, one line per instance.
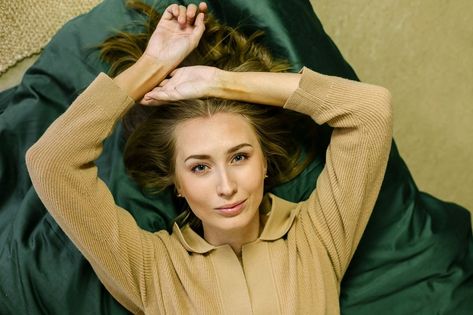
[231, 210]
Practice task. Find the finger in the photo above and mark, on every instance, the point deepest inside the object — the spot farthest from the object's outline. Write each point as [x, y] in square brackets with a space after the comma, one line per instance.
[163, 83]
[181, 19]
[191, 11]
[158, 93]
[155, 97]
[199, 24]
[203, 7]
[171, 11]
[150, 101]
[175, 10]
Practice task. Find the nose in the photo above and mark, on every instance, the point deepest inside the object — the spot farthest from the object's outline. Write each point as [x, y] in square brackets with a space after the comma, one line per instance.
[226, 186]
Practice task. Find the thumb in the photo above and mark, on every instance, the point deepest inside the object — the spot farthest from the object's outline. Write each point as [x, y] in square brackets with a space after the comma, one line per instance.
[199, 25]
[158, 94]
[150, 100]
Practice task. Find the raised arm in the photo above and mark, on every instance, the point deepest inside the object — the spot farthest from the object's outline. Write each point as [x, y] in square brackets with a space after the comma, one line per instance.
[62, 169]
[347, 189]
[265, 88]
[339, 209]
[356, 159]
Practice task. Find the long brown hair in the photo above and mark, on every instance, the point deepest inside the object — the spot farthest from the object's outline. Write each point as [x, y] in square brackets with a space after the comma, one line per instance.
[149, 152]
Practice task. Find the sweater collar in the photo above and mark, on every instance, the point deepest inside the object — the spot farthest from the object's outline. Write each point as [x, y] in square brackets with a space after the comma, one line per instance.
[280, 219]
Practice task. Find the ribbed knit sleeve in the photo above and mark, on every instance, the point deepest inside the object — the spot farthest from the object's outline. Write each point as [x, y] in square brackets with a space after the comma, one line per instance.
[338, 210]
[63, 172]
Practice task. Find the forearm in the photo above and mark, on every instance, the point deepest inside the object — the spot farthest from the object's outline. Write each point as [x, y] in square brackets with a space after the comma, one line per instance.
[268, 88]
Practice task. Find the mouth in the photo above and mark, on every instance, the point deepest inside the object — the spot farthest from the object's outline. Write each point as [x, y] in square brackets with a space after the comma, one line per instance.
[233, 209]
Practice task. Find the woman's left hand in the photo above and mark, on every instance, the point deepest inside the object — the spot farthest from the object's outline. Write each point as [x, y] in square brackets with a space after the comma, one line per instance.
[184, 83]
[177, 33]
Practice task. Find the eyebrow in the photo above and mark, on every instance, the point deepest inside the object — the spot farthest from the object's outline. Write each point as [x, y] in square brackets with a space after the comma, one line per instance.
[230, 151]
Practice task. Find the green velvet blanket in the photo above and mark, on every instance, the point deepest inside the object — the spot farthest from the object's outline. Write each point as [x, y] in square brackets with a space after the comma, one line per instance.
[416, 256]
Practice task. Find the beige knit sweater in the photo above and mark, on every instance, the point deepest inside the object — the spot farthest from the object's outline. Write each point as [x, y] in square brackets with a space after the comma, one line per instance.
[296, 265]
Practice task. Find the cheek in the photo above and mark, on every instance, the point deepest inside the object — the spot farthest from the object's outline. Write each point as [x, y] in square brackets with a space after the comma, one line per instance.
[252, 178]
[198, 192]
[192, 187]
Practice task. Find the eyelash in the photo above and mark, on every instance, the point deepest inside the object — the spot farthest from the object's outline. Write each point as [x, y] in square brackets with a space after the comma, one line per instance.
[244, 155]
[194, 169]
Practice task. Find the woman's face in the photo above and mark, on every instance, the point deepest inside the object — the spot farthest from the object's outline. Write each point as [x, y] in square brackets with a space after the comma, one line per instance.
[220, 170]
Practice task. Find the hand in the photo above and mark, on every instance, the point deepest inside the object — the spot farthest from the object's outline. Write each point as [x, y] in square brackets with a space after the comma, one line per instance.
[185, 83]
[177, 33]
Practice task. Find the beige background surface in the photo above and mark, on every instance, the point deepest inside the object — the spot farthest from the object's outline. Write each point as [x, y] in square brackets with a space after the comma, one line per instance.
[422, 50]
[26, 25]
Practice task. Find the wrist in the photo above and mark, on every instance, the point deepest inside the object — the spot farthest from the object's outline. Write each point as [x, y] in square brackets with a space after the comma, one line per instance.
[226, 85]
[146, 73]
[154, 61]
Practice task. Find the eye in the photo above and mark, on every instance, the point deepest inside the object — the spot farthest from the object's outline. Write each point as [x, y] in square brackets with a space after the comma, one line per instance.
[239, 157]
[199, 168]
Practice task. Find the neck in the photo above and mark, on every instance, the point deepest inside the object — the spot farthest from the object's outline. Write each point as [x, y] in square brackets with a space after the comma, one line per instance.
[235, 238]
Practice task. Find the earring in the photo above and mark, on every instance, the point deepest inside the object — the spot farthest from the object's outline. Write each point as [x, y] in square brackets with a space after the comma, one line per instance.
[178, 195]
[265, 175]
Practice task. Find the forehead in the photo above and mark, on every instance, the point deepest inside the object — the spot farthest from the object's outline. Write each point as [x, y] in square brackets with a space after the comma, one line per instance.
[213, 135]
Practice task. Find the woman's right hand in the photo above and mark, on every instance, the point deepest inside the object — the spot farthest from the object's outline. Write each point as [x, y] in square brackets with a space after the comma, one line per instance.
[185, 83]
[177, 33]
[267, 88]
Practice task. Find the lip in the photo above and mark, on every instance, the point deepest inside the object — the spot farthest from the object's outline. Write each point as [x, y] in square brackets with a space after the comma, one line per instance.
[232, 209]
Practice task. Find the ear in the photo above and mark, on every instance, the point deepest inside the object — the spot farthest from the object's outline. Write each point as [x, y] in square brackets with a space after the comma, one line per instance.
[178, 193]
[177, 189]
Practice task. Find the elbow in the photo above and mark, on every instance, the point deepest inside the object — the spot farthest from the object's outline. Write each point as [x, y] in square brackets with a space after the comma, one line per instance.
[385, 117]
[377, 116]
[386, 98]
[387, 110]
[383, 106]
[39, 162]
[382, 109]
[45, 170]
[33, 160]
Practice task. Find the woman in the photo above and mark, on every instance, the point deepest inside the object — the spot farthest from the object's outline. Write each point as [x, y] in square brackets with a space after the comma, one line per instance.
[288, 260]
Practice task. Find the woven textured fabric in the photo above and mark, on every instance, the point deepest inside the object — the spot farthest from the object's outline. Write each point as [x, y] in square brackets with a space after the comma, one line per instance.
[28, 25]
